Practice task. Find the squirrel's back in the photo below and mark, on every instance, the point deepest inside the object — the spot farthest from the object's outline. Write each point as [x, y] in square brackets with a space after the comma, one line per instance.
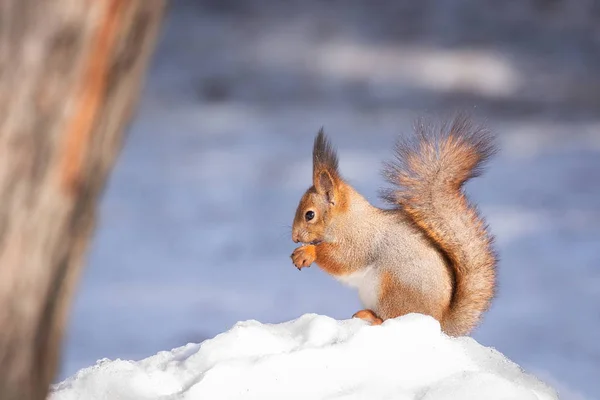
[428, 173]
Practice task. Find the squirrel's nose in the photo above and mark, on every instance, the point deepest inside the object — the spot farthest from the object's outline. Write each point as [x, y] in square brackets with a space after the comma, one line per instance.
[295, 237]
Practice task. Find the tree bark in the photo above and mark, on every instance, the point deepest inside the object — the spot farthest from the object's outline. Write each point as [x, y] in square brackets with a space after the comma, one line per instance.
[70, 77]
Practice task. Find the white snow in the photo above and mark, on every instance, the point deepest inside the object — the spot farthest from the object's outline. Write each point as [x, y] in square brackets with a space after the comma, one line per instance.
[315, 357]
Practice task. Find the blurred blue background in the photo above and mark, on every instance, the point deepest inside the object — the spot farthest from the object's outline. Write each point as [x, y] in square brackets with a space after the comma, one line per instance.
[194, 230]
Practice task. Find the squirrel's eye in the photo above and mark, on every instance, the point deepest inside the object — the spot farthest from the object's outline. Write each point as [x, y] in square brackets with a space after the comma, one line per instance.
[309, 215]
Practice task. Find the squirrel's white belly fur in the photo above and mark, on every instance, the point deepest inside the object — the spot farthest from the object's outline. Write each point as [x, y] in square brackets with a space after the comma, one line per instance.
[366, 280]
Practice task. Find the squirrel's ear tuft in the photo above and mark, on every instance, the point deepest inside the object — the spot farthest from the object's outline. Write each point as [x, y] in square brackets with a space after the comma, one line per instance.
[324, 157]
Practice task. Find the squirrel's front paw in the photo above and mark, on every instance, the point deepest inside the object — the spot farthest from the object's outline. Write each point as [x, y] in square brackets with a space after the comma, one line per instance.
[303, 256]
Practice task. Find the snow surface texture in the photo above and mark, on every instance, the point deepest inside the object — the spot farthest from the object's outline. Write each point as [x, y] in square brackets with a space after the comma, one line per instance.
[315, 357]
[194, 231]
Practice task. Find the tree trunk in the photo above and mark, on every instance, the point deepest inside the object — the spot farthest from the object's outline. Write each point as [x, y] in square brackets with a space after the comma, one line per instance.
[70, 77]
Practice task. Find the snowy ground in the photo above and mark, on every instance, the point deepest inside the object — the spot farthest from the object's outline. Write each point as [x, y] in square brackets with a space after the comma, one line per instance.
[194, 230]
[315, 357]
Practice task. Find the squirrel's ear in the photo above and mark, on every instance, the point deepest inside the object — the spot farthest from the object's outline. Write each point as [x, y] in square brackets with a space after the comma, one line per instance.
[325, 167]
[325, 185]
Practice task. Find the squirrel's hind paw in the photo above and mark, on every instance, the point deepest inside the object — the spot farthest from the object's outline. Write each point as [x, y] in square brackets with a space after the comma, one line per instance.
[369, 316]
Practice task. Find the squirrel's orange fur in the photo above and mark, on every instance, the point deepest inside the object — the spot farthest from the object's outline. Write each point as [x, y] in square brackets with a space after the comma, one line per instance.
[431, 253]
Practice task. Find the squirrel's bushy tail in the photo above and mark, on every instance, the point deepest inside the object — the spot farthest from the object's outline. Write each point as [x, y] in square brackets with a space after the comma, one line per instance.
[428, 173]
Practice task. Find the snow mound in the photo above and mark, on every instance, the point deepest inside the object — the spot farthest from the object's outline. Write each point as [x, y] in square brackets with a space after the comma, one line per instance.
[314, 357]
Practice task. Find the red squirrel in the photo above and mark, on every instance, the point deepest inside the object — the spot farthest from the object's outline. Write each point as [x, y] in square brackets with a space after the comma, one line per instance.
[431, 252]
